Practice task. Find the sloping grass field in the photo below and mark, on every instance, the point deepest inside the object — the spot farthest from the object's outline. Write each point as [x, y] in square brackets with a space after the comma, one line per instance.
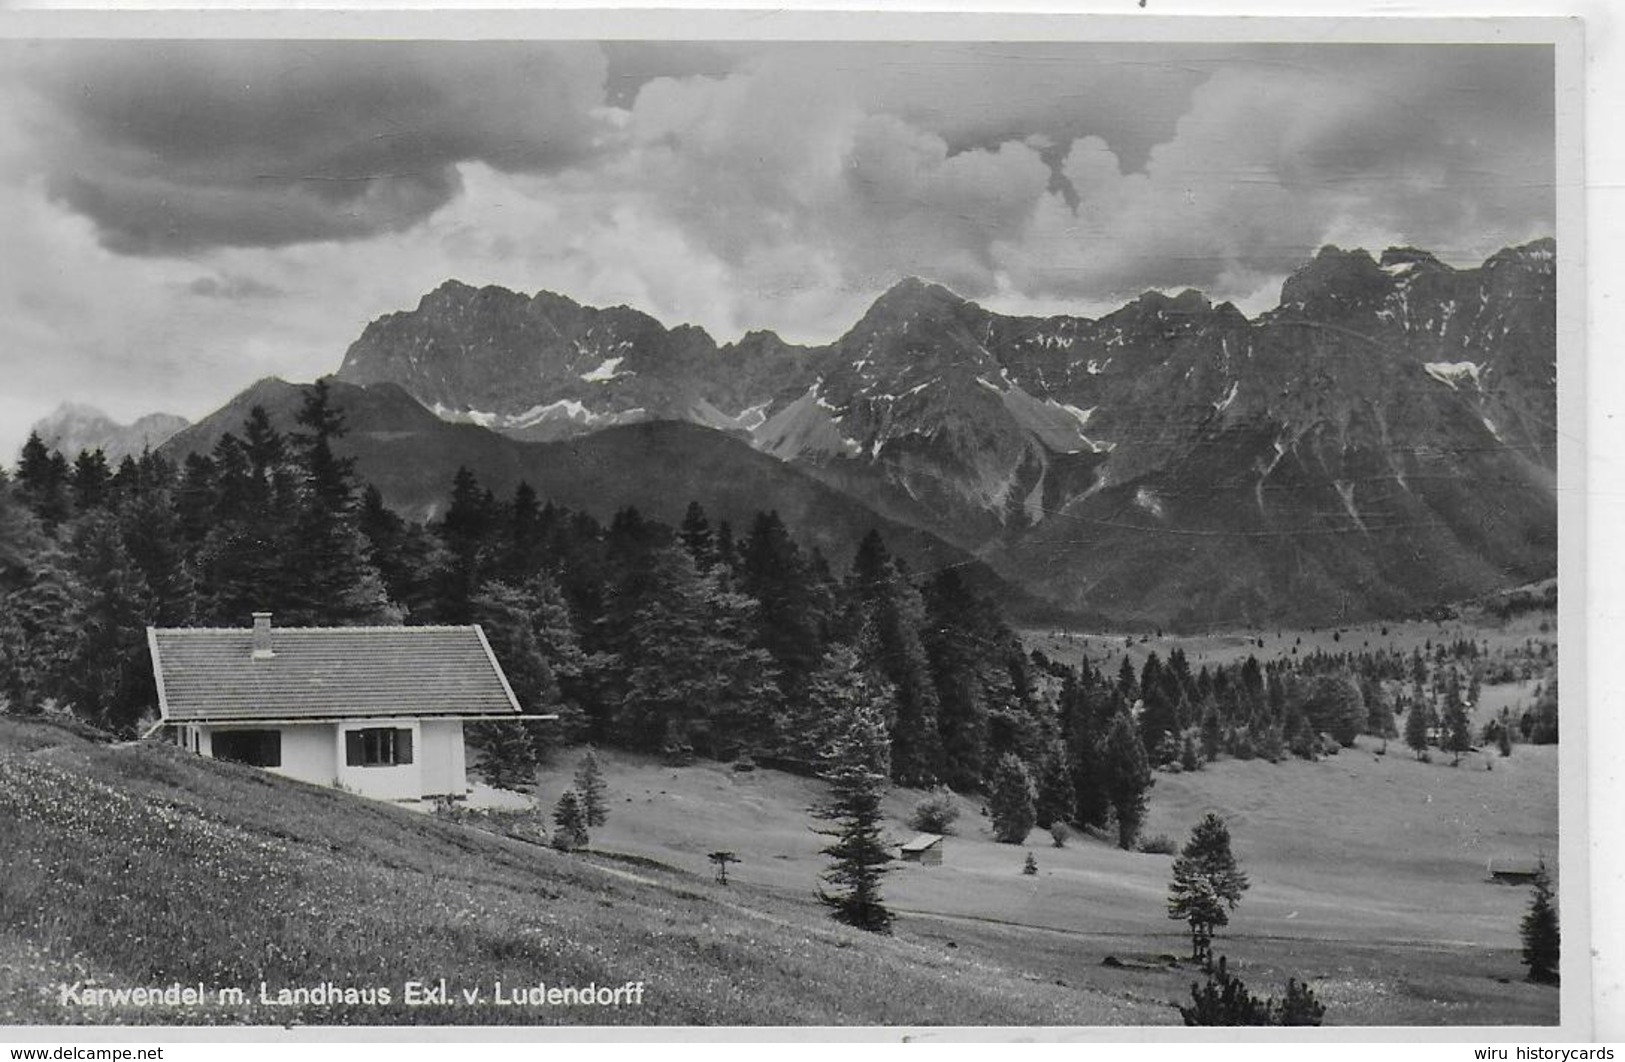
[1369, 876]
[142, 865]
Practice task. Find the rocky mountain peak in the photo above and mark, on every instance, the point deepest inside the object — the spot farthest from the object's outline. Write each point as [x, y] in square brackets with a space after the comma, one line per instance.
[75, 426]
[1336, 283]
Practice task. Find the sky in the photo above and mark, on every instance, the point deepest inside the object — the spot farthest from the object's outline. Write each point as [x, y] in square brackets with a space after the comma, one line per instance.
[184, 218]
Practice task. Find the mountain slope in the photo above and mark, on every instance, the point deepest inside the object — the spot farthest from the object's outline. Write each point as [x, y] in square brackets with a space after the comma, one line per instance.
[1383, 440]
[73, 427]
[659, 467]
[544, 367]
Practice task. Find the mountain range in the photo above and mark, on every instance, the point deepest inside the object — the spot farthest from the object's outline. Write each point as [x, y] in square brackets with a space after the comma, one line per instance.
[1381, 442]
[74, 426]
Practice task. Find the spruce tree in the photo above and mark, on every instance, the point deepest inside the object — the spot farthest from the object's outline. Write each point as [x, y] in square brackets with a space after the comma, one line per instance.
[329, 576]
[508, 755]
[677, 659]
[1458, 735]
[590, 785]
[1128, 777]
[110, 680]
[1010, 804]
[789, 620]
[890, 614]
[856, 767]
[1417, 724]
[569, 822]
[91, 481]
[1056, 800]
[697, 537]
[42, 482]
[1541, 936]
[1207, 884]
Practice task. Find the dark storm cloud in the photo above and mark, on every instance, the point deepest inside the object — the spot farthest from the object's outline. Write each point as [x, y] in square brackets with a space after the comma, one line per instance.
[174, 146]
[1286, 147]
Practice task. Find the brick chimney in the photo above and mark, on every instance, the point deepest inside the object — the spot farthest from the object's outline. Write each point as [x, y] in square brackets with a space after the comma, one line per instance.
[262, 636]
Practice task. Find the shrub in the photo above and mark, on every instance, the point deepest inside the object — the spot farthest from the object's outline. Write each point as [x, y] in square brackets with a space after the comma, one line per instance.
[1161, 844]
[1225, 1001]
[936, 812]
[1058, 834]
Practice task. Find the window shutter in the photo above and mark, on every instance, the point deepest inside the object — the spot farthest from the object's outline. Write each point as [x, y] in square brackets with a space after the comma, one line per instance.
[352, 748]
[403, 746]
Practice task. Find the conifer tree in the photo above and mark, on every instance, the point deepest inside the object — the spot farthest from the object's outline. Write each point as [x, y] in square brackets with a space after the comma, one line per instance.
[329, 576]
[42, 482]
[772, 570]
[590, 785]
[697, 536]
[1458, 735]
[1541, 937]
[856, 767]
[569, 822]
[1417, 724]
[1207, 884]
[91, 481]
[153, 537]
[678, 659]
[39, 620]
[1010, 804]
[1128, 778]
[890, 615]
[1056, 799]
[508, 754]
[110, 681]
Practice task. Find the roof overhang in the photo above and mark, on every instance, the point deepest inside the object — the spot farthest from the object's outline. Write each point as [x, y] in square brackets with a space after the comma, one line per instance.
[506, 717]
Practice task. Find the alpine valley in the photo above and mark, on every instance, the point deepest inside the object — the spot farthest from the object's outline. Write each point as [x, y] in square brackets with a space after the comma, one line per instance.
[1380, 443]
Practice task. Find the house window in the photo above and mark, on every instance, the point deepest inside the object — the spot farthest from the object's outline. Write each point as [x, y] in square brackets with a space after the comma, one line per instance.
[257, 748]
[378, 746]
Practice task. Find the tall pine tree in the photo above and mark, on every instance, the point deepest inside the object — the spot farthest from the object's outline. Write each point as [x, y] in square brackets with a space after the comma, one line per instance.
[856, 768]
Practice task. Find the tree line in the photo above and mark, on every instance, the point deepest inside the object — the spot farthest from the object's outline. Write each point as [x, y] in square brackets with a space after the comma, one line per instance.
[694, 640]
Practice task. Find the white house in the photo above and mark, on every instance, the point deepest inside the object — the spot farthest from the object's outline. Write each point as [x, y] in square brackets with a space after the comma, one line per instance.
[377, 710]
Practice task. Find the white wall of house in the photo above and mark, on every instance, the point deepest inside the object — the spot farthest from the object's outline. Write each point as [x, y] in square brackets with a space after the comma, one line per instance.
[401, 781]
[307, 749]
[307, 753]
[315, 753]
[445, 771]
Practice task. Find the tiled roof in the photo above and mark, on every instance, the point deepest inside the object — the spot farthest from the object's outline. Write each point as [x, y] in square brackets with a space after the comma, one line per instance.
[327, 672]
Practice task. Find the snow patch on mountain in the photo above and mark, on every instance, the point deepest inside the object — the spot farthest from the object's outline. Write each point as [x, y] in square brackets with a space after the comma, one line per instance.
[1453, 373]
[607, 370]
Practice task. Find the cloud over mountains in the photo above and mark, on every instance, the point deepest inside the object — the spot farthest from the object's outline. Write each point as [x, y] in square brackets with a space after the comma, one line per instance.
[739, 185]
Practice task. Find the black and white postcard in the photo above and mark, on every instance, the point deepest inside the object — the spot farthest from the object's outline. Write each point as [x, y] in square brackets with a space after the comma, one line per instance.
[689, 520]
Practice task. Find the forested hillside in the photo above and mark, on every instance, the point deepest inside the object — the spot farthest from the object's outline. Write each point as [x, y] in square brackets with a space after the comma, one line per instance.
[696, 640]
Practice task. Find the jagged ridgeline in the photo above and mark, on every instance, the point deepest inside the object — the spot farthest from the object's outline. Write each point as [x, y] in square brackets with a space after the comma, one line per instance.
[1382, 441]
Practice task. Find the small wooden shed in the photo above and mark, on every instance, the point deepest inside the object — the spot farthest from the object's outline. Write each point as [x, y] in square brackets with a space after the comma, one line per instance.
[1513, 871]
[925, 849]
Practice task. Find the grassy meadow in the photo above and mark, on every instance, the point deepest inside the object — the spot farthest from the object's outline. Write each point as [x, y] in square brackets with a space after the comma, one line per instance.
[1368, 876]
[144, 865]
[141, 865]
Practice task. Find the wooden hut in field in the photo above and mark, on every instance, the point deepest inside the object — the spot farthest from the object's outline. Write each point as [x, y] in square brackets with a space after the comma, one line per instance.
[1513, 871]
[926, 849]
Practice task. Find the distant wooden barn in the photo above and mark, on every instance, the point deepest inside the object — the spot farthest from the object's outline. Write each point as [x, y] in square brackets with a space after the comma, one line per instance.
[925, 849]
[1513, 871]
